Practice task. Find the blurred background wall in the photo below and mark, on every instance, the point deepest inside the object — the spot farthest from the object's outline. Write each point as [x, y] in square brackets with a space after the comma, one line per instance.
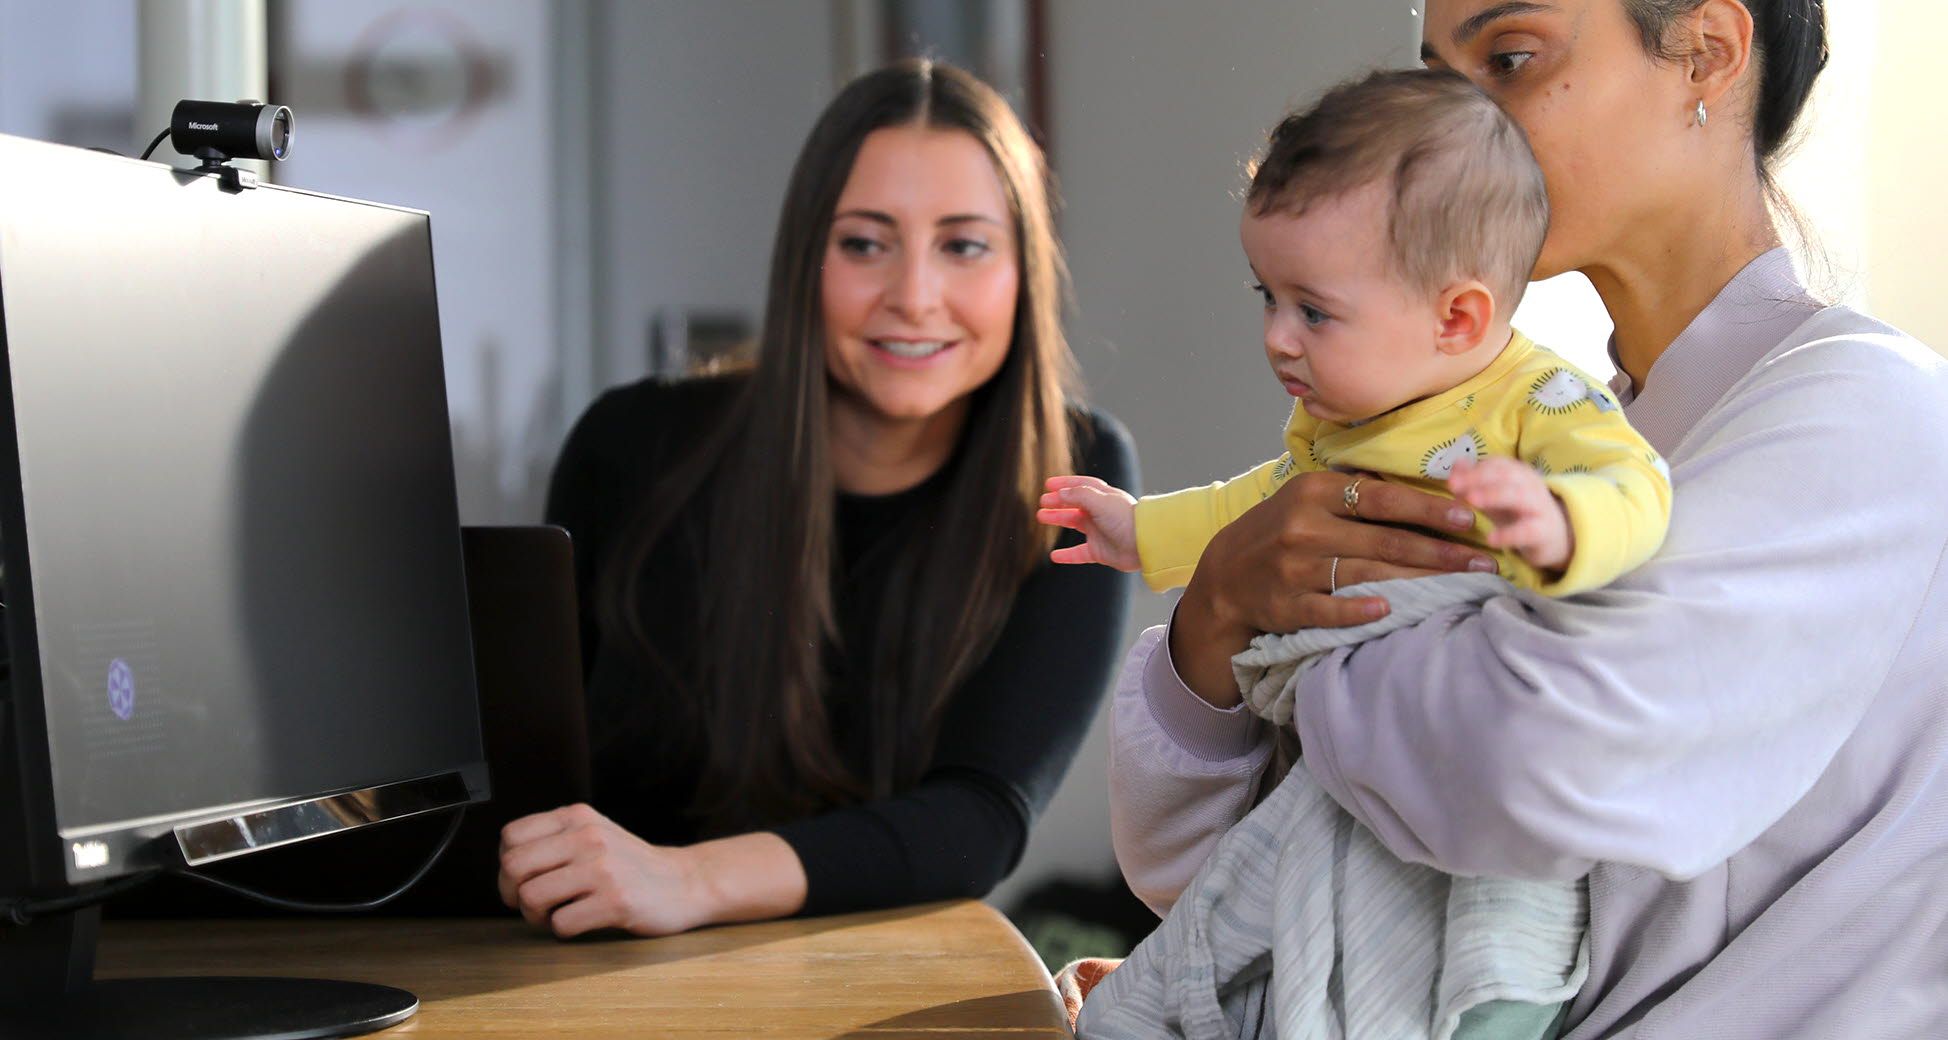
[605, 175]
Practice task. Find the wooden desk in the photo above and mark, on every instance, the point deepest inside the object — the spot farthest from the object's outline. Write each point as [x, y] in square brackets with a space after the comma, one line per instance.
[949, 972]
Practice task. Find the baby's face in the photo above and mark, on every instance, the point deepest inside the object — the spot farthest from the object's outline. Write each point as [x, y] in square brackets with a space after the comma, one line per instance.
[1343, 333]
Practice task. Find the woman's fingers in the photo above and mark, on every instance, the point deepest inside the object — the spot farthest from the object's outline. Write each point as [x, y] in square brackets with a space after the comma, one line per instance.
[593, 875]
[540, 896]
[531, 828]
[524, 862]
[1411, 549]
[1271, 569]
[590, 913]
[541, 825]
[522, 836]
[1382, 502]
[541, 842]
[1359, 572]
[1319, 610]
[1329, 611]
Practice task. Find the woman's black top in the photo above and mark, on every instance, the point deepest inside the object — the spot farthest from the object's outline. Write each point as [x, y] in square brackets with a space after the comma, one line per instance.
[1008, 734]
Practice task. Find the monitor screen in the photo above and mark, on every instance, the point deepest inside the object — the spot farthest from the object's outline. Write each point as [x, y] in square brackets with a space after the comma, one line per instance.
[233, 544]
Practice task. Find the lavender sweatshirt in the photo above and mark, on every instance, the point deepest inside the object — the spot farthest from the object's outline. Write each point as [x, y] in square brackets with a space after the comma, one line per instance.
[1744, 743]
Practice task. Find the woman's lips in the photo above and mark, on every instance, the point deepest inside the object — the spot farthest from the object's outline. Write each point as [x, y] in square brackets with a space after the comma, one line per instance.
[903, 353]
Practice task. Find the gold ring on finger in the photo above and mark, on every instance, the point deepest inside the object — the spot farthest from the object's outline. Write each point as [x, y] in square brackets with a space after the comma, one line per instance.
[1352, 498]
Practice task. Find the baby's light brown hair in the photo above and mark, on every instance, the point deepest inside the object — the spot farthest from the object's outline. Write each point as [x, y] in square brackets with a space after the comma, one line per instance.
[1466, 198]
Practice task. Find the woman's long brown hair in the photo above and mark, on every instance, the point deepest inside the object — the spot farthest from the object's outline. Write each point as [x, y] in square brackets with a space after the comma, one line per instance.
[762, 484]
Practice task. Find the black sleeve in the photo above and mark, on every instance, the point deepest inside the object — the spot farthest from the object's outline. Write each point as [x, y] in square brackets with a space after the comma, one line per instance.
[1006, 741]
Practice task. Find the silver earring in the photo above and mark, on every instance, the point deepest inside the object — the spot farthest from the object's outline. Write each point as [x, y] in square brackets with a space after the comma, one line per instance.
[1702, 114]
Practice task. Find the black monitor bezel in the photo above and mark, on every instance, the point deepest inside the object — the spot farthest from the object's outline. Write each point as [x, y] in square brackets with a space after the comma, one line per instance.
[36, 865]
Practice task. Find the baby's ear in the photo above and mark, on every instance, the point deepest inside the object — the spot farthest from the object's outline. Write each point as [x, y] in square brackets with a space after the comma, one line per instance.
[1464, 315]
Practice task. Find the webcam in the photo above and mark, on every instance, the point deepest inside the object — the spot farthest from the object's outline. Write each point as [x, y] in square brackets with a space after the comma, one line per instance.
[223, 130]
[219, 131]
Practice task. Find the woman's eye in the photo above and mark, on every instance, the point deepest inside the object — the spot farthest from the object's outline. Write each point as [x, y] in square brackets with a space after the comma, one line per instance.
[1263, 294]
[858, 245]
[1314, 317]
[1508, 63]
[967, 248]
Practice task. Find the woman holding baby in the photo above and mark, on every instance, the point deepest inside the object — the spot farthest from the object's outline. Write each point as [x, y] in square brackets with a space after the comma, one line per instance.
[1742, 742]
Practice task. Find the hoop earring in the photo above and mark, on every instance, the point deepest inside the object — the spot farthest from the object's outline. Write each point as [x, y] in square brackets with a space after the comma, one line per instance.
[1702, 114]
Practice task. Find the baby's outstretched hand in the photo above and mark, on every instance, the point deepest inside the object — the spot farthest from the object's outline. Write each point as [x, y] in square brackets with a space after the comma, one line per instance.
[1105, 515]
[1527, 515]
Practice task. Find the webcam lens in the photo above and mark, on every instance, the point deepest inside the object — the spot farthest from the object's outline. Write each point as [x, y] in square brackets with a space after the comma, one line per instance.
[281, 133]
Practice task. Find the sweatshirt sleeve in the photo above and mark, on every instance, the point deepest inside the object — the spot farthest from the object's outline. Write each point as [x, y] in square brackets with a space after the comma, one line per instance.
[1180, 773]
[1667, 720]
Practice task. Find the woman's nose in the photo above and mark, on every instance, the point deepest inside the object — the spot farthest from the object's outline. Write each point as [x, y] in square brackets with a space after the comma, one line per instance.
[916, 288]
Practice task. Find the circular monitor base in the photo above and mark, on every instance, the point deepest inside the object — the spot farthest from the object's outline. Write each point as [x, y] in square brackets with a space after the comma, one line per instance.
[212, 1008]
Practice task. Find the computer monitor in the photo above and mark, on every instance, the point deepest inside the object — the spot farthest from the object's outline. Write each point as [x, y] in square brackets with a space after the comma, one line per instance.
[233, 584]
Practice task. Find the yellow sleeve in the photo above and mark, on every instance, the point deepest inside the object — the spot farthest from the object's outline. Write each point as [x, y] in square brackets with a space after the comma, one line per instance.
[1614, 486]
[1172, 530]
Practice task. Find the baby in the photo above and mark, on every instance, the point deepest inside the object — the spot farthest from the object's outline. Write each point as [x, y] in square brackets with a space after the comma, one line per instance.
[1391, 230]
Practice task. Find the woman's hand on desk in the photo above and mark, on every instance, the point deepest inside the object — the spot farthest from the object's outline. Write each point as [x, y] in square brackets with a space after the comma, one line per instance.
[574, 871]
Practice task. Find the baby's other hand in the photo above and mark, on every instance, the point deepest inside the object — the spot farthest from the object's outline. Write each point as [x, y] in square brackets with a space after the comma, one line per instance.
[1105, 515]
[1526, 515]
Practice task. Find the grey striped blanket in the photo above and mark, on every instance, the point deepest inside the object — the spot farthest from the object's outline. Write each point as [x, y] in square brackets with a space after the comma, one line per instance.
[1302, 925]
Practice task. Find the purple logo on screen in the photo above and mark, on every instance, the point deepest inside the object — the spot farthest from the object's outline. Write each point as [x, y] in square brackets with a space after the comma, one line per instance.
[121, 689]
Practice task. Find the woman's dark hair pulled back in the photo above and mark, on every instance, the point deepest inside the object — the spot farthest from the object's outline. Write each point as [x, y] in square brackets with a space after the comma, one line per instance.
[1790, 41]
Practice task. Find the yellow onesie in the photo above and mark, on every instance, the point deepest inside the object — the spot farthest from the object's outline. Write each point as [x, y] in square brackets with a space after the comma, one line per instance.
[1529, 404]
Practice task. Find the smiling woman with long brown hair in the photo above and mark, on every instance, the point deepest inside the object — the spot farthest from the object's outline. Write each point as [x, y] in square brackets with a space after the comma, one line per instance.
[829, 667]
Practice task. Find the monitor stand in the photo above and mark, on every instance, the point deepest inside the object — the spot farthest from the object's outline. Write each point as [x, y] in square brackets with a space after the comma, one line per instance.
[47, 992]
